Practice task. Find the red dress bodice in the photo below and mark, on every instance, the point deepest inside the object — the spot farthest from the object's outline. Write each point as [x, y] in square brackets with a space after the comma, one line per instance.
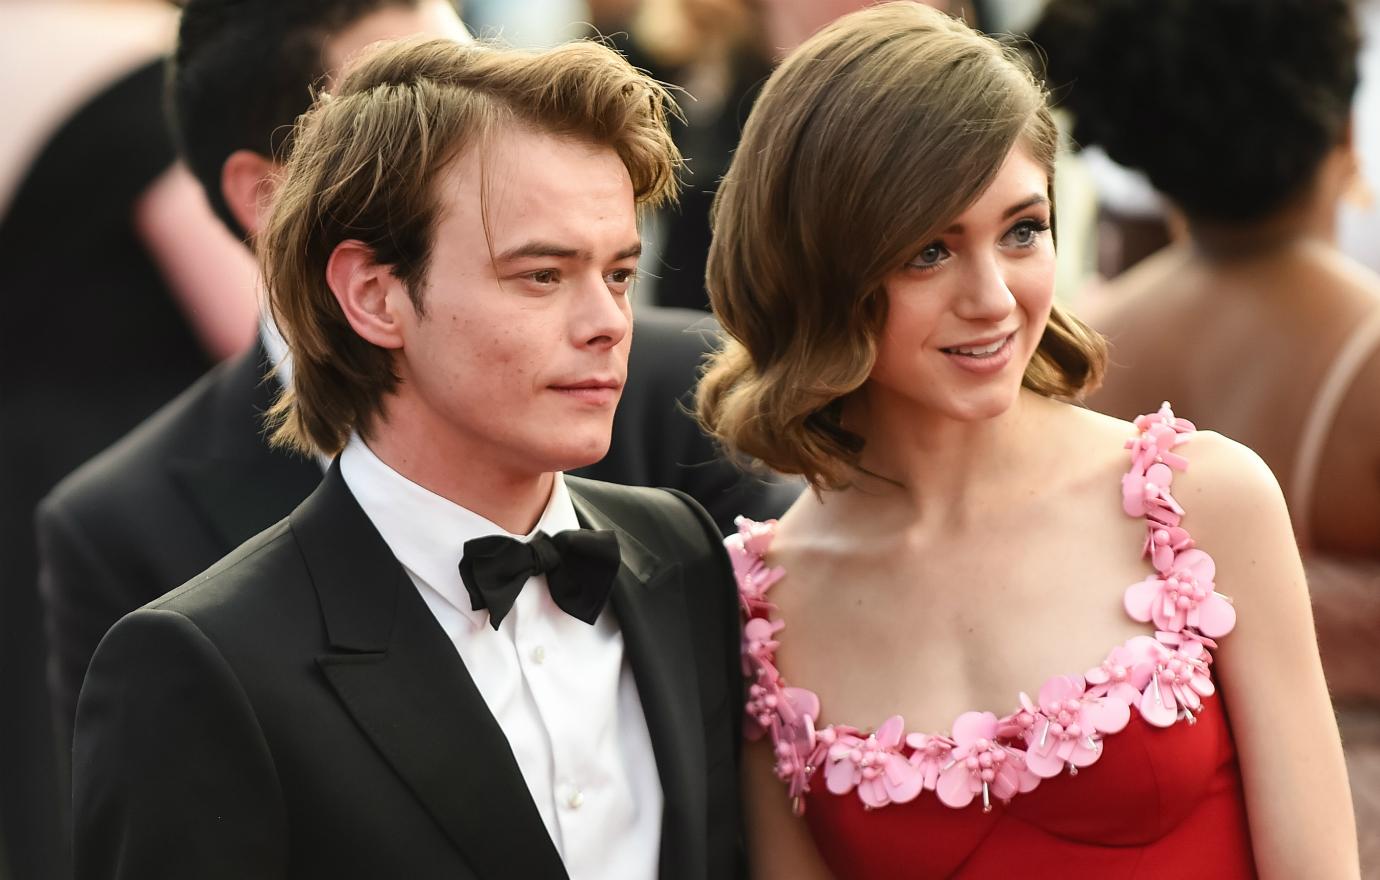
[1127, 771]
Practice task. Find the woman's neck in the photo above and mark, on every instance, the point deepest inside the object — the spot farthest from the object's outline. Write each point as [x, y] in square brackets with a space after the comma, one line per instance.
[926, 468]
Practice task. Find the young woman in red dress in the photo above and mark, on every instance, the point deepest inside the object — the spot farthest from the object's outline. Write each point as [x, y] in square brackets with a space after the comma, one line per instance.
[997, 637]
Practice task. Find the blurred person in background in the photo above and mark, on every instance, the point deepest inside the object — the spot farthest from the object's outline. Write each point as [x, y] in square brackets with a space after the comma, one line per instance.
[719, 52]
[711, 49]
[1240, 114]
[119, 289]
[883, 262]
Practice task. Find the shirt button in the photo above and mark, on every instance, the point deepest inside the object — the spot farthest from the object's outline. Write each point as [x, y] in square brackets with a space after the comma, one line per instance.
[575, 799]
[539, 655]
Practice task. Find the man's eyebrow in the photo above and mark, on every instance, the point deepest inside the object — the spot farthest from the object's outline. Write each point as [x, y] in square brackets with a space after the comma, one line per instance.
[1037, 199]
[548, 249]
[540, 249]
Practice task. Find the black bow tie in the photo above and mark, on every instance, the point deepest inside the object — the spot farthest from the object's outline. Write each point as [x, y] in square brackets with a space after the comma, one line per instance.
[579, 566]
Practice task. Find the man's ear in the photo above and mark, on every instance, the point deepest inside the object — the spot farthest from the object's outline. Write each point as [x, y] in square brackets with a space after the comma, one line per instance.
[246, 183]
[372, 299]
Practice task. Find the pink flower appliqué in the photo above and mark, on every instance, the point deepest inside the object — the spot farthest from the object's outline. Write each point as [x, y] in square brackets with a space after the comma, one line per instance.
[746, 550]
[1125, 672]
[1179, 681]
[1162, 543]
[981, 765]
[1146, 494]
[759, 643]
[1183, 597]
[874, 765]
[1068, 726]
[798, 747]
[929, 754]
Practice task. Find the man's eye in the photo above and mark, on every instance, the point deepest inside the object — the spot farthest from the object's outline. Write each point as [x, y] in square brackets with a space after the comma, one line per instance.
[545, 276]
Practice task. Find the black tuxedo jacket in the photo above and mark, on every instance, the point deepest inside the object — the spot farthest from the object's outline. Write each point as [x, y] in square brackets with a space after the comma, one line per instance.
[297, 711]
[197, 479]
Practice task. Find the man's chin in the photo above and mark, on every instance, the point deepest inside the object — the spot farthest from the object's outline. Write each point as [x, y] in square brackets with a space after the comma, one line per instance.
[573, 455]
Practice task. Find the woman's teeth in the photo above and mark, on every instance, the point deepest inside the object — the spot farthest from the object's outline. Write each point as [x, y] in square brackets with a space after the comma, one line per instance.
[978, 351]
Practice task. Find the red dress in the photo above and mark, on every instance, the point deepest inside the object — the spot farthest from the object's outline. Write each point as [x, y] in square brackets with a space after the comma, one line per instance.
[1127, 771]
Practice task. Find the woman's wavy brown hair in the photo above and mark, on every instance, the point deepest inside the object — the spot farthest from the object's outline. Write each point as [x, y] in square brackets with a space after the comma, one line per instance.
[866, 142]
[365, 167]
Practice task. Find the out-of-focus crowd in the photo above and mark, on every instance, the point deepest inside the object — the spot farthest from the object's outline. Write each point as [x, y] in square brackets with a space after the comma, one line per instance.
[1217, 220]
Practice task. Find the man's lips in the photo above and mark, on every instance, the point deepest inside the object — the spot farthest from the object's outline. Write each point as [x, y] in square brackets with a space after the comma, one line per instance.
[592, 391]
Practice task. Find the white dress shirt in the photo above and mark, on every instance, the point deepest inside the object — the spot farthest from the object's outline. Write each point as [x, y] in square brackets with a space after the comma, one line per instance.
[560, 689]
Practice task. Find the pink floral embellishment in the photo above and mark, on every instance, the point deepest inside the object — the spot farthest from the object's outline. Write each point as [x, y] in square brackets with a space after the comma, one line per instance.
[1068, 726]
[798, 747]
[1146, 493]
[874, 766]
[759, 642]
[1163, 542]
[746, 550]
[1125, 672]
[1179, 682]
[979, 764]
[1165, 676]
[1183, 597]
[929, 754]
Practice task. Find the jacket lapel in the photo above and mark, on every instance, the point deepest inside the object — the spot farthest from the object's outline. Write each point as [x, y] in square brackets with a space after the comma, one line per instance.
[241, 486]
[399, 676]
[650, 605]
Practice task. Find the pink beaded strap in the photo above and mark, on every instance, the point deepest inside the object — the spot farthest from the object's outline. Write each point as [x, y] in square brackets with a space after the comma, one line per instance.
[1164, 676]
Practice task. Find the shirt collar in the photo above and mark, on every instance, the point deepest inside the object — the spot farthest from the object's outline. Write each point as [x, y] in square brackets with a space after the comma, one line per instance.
[276, 347]
[427, 533]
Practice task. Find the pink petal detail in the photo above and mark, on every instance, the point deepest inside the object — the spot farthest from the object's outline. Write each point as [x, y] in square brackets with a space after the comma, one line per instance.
[840, 776]
[1159, 712]
[890, 733]
[955, 786]
[1140, 598]
[1216, 616]
[904, 781]
[972, 726]
[873, 793]
[1110, 714]
[1047, 765]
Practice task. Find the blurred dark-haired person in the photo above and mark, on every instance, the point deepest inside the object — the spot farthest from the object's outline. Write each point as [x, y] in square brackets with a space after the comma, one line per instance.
[1254, 318]
[949, 676]
[199, 478]
[450, 660]
[120, 289]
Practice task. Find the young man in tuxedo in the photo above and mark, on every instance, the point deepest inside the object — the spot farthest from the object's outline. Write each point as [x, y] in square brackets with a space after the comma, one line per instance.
[199, 478]
[451, 660]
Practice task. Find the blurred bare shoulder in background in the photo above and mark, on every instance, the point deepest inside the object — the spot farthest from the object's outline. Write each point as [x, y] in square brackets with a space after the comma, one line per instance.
[1252, 320]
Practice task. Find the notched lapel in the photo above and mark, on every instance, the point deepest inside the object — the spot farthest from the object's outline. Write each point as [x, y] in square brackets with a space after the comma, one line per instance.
[648, 599]
[400, 678]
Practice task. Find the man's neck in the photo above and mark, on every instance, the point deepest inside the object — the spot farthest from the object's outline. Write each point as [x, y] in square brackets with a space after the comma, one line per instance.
[510, 497]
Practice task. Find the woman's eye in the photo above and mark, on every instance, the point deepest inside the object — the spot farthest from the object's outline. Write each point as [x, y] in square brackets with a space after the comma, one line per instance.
[1026, 233]
[930, 256]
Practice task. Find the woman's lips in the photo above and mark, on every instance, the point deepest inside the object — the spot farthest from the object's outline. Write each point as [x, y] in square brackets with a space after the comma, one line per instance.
[983, 361]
